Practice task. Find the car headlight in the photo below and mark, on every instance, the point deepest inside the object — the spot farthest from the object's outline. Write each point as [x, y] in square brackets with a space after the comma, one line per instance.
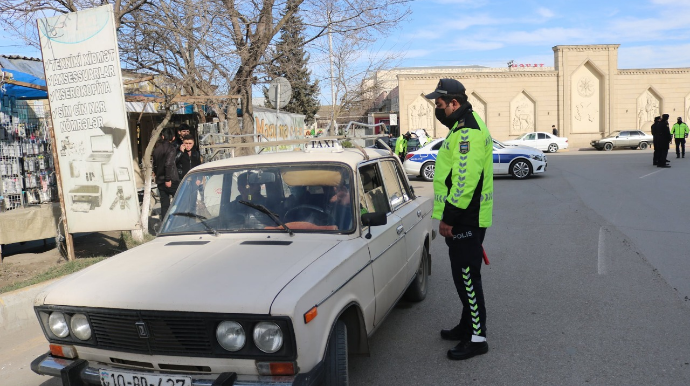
[537, 157]
[80, 327]
[268, 337]
[58, 324]
[231, 335]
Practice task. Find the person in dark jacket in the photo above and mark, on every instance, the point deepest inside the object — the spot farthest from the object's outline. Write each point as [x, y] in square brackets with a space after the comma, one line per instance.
[662, 140]
[164, 169]
[188, 157]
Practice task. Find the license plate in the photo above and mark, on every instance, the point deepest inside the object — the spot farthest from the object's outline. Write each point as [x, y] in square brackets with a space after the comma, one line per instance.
[125, 378]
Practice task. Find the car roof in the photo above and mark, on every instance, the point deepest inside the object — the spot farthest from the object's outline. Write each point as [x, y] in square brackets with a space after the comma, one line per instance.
[349, 156]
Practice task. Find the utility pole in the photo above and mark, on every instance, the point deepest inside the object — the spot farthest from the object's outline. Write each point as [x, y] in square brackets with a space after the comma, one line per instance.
[330, 59]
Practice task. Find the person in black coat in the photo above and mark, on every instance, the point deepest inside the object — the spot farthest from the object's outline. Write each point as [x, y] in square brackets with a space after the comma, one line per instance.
[662, 140]
[167, 178]
[188, 157]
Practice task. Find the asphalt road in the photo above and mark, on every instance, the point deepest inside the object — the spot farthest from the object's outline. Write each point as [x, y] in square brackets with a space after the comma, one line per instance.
[589, 284]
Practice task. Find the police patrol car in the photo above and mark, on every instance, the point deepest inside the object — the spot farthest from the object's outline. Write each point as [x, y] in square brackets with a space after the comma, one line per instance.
[517, 161]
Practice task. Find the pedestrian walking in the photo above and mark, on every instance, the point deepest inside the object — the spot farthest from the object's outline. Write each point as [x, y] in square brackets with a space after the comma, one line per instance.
[164, 169]
[554, 130]
[680, 132]
[463, 202]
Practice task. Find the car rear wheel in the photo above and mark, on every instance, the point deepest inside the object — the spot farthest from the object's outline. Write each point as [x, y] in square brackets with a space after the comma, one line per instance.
[336, 357]
[416, 292]
[608, 146]
[520, 169]
[428, 170]
[552, 148]
[643, 145]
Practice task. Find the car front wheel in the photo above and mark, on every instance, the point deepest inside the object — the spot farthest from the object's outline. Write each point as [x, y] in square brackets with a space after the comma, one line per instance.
[552, 148]
[416, 292]
[643, 145]
[336, 357]
[608, 146]
[428, 170]
[520, 169]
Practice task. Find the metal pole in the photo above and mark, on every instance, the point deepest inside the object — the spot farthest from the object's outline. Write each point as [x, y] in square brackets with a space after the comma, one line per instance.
[330, 59]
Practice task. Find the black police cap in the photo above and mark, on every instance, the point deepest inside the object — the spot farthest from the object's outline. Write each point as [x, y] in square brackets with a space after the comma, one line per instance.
[446, 87]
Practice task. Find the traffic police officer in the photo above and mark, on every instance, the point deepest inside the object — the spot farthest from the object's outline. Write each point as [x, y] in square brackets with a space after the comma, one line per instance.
[680, 132]
[463, 202]
[401, 147]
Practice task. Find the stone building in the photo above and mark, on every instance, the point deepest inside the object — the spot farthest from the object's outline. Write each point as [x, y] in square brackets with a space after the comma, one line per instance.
[585, 95]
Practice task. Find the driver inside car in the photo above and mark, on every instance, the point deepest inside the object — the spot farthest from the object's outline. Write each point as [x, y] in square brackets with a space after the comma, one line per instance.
[239, 213]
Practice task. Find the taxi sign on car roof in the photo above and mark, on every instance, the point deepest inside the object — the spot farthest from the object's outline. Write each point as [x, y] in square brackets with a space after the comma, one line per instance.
[323, 145]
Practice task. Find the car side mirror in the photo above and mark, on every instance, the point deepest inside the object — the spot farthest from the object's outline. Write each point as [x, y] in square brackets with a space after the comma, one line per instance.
[373, 219]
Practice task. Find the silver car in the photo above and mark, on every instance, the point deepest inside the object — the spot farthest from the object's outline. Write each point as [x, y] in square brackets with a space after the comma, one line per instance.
[630, 138]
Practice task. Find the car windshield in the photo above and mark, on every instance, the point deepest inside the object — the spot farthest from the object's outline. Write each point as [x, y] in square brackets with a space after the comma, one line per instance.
[304, 197]
[614, 134]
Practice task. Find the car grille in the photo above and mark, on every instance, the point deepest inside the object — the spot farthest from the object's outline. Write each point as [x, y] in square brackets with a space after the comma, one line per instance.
[167, 335]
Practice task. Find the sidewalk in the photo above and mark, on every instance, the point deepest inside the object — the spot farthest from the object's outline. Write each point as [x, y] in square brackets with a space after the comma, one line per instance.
[17, 308]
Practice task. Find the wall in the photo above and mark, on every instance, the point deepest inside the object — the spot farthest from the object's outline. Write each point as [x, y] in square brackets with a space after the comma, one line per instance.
[585, 95]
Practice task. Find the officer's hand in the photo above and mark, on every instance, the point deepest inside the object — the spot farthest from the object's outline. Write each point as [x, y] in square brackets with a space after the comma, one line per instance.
[445, 230]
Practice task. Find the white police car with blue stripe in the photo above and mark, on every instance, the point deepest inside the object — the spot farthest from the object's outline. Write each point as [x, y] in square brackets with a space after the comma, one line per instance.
[517, 161]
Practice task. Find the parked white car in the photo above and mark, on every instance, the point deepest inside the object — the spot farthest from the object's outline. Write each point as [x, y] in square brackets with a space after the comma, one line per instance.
[540, 140]
[518, 161]
[268, 270]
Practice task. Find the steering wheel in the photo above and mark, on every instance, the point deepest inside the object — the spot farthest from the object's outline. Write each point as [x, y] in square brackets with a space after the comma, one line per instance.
[309, 213]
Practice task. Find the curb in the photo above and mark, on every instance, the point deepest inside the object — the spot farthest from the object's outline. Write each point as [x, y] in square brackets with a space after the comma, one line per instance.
[17, 307]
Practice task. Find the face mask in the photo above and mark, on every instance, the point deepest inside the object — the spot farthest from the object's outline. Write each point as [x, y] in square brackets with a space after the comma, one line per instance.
[440, 114]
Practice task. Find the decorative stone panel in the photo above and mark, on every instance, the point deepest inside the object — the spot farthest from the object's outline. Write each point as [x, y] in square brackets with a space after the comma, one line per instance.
[686, 115]
[478, 105]
[522, 113]
[648, 107]
[420, 115]
[586, 100]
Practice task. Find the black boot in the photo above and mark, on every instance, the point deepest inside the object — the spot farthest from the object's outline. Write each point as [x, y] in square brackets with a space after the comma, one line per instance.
[466, 350]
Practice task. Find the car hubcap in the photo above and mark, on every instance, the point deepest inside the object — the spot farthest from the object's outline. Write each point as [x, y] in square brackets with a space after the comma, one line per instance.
[429, 171]
[552, 148]
[521, 170]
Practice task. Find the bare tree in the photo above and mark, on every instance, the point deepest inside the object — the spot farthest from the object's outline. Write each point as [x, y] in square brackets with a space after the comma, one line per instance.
[253, 25]
[20, 16]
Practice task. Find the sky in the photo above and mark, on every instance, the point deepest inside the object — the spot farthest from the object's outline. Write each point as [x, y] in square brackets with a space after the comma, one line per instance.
[651, 33]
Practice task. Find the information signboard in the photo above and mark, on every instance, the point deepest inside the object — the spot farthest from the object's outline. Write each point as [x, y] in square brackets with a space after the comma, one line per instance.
[84, 80]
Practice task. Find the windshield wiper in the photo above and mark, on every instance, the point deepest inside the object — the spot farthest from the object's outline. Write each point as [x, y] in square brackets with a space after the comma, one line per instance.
[199, 217]
[270, 214]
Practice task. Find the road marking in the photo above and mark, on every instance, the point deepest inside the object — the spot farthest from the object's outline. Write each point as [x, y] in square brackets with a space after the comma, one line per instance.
[651, 173]
[601, 254]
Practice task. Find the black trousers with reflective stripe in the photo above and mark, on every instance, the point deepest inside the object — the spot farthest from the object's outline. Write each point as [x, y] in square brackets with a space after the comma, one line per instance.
[466, 257]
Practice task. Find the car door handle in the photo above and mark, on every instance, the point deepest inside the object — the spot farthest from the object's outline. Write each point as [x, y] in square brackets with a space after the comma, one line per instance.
[419, 213]
[400, 229]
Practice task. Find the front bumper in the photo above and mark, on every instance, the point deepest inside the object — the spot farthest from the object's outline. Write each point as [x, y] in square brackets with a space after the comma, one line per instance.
[79, 371]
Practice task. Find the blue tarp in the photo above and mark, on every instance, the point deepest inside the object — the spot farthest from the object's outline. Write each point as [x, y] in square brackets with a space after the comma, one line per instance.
[20, 92]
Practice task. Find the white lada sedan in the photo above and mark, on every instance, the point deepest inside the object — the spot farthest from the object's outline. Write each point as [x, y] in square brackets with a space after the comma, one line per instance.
[268, 270]
[517, 161]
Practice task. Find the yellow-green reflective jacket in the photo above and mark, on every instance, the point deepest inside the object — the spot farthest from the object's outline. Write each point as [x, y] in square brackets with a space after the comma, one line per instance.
[679, 131]
[400, 145]
[463, 179]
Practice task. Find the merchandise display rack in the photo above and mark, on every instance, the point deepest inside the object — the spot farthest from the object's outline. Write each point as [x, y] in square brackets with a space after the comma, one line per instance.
[27, 175]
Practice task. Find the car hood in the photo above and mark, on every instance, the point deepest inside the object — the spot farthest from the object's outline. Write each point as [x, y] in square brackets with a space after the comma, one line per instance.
[221, 275]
